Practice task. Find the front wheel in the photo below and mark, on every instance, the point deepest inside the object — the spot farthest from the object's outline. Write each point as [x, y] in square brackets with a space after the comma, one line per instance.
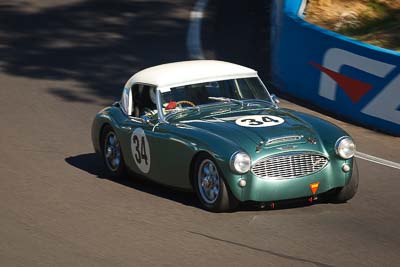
[210, 186]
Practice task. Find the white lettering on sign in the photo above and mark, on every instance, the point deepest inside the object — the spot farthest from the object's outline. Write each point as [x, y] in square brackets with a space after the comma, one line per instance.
[383, 106]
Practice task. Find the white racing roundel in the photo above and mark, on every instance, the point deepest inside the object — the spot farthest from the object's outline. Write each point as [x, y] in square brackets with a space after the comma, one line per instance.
[259, 121]
[140, 150]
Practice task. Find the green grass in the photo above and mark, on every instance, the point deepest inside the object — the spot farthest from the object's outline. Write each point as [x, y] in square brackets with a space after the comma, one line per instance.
[382, 30]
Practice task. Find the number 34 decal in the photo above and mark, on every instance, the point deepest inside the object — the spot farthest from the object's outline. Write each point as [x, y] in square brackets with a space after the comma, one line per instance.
[259, 121]
[140, 150]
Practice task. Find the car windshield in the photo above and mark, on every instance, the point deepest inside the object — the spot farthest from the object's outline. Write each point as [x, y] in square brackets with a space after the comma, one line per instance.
[229, 91]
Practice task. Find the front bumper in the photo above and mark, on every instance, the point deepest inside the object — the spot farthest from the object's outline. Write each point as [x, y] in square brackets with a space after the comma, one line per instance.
[264, 190]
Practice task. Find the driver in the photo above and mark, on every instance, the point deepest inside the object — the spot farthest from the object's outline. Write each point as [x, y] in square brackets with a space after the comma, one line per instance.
[149, 107]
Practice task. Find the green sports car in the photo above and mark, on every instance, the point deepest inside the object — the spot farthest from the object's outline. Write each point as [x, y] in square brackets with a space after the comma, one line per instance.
[212, 127]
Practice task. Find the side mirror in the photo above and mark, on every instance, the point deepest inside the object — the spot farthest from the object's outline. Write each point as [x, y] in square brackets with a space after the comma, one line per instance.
[275, 99]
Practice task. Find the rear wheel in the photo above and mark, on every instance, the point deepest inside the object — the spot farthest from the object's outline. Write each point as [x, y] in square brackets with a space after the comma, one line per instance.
[348, 191]
[211, 189]
[111, 153]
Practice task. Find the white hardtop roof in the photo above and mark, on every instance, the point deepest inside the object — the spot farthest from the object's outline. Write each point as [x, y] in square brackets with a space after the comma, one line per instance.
[189, 72]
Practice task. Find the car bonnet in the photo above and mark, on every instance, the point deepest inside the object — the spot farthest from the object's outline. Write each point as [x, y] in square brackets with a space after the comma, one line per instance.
[249, 128]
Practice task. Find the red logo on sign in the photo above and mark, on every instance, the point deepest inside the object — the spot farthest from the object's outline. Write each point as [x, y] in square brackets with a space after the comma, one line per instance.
[355, 89]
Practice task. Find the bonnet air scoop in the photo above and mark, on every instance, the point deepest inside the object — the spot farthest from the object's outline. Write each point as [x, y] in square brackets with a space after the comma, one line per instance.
[283, 139]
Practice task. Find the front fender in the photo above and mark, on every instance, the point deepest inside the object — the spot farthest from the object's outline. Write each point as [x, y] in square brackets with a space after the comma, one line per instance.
[189, 141]
[328, 132]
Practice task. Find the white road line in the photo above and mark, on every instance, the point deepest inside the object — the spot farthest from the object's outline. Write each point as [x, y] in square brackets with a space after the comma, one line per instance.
[377, 160]
[193, 44]
[193, 41]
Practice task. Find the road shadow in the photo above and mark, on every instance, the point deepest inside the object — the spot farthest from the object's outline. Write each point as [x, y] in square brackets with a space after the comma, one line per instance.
[92, 164]
[97, 43]
[277, 206]
[100, 43]
[239, 32]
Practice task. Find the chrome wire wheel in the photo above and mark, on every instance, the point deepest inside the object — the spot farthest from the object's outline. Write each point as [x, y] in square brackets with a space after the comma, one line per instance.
[112, 152]
[208, 180]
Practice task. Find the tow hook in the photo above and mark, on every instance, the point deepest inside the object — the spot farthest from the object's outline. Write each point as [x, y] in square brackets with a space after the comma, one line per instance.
[263, 205]
[312, 199]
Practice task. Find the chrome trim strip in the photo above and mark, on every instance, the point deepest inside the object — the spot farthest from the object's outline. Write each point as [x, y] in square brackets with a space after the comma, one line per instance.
[161, 117]
[284, 139]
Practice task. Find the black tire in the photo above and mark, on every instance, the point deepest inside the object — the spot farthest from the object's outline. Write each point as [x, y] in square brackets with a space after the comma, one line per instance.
[348, 191]
[225, 201]
[116, 170]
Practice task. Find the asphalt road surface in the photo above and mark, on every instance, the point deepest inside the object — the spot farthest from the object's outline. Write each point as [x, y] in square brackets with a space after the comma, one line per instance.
[61, 62]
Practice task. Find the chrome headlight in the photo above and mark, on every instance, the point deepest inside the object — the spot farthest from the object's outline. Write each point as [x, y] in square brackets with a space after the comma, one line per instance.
[345, 147]
[240, 162]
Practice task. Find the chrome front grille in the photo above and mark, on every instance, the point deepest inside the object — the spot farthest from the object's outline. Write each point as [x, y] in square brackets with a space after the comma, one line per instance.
[286, 166]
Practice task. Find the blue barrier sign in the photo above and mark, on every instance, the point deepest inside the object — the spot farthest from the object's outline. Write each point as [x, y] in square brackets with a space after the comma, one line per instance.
[346, 77]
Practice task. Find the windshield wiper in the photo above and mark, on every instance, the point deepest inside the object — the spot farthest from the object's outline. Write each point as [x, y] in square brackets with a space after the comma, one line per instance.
[226, 99]
[182, 112]
[263, 101]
